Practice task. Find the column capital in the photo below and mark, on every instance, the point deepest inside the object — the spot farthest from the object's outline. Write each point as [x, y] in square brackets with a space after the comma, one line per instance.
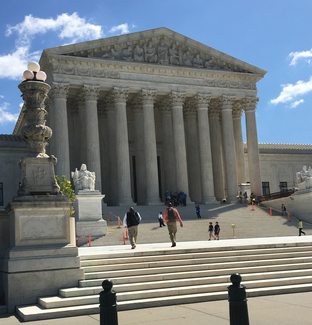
[177, 98]
[214, 108]
[238, 108]
[190, 108]
[250, 103]
[227, 102]
[148, 96]
[59, 90]
[164, 106]
[120, 94]
[202, 100]
[136, 104]
[110, 102]
[90, 93]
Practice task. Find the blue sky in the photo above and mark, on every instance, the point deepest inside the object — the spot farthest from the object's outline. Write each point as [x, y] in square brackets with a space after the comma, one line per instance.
[273, 35]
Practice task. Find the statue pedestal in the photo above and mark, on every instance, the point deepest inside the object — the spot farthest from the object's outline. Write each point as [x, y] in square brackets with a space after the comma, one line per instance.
[41, 259]
[88, 212]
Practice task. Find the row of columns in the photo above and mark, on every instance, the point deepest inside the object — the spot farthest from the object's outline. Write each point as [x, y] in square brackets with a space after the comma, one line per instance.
[220, 135]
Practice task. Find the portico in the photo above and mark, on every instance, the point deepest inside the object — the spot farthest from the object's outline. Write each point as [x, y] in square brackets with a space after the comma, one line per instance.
[150, 112]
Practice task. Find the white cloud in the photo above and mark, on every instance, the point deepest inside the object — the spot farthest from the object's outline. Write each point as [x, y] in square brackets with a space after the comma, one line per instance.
[298, 55]
[67, 26]
[123, 29]
[13, 65]
[296, 103]
[1, 96]
[6, 116]
[290, 91]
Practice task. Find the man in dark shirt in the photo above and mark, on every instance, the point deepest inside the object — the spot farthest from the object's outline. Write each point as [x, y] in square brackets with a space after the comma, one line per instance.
[171, 216]
[131, 221]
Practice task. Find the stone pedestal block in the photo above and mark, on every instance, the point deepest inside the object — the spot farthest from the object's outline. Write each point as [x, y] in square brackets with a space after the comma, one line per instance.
[88, 211]
[30, 272]
[40, 259]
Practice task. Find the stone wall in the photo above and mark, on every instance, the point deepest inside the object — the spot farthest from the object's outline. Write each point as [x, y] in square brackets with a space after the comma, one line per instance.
[4, 245]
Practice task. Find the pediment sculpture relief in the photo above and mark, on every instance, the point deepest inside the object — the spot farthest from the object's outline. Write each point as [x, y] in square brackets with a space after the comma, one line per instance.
[160, 51]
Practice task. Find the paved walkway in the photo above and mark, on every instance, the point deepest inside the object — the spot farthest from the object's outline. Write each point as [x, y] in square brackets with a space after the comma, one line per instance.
[269, 310]
[248, 224]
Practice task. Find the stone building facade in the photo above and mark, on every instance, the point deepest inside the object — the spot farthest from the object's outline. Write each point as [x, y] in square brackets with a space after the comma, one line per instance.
[153, 111]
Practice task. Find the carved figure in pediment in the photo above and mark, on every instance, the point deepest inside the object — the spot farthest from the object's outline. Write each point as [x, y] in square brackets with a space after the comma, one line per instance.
[211, 64]
[187, 58]
[174, 57]
[150, 53]
[225, 66]
[111, 54]
[198, 62]
[162, 52]
[138, 53]
[127, 54]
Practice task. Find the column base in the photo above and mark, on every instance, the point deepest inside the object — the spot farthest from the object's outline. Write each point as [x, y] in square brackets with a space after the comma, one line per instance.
[126, 202]
[209, 199]
[152, 201]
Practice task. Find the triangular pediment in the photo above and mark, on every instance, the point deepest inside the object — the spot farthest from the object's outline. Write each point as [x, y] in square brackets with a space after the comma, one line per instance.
[157, 46]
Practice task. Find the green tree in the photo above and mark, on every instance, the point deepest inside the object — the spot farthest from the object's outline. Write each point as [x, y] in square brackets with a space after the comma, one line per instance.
[66, 188]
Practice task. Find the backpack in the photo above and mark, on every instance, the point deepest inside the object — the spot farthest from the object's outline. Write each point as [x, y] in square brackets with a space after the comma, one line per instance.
[137, 217]
[171, 214]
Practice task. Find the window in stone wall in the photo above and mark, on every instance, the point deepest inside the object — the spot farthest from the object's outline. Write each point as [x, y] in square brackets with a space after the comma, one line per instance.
[1, 194]
[283, 186]
[266, 188]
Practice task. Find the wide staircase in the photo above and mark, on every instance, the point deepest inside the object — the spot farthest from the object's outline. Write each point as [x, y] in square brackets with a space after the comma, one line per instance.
[150, 278]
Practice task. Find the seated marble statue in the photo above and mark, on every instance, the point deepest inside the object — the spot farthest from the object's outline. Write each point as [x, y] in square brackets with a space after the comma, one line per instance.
[83, 179]
[127, 54]
[304, 178]
[138, 53]
[198, 62]
[150, 53]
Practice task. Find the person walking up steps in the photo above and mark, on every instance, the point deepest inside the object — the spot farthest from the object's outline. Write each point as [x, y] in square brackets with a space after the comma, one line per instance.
[217, 231]
[300, 228]
[171, 216]
[210, 231]
[131, 221]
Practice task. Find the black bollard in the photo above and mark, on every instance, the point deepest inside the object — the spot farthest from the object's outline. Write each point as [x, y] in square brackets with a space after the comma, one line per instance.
[108, 304]
[237, 301]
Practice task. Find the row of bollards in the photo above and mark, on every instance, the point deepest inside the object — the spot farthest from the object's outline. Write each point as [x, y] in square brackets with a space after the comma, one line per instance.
[236, 296]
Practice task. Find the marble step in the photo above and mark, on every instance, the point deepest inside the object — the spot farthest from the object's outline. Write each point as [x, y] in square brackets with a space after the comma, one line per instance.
[36, 312]
[193, 261]
[184, 288]
[89, 296]
[103, 259]
[185, 268]
[85, 284]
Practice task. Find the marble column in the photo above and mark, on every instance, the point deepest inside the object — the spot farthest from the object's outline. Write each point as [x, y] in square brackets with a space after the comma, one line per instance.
[193, 158]
[229, 148]
[252, 145]
[152, 184]
[82, 136]
[202, 102]
[179, 141]
[168, 147]
[91, 94]
[102, 116]
[136, 106]
[112, 194]
[238, 138]
[59, 95]
[122, 147]
[216, 148]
